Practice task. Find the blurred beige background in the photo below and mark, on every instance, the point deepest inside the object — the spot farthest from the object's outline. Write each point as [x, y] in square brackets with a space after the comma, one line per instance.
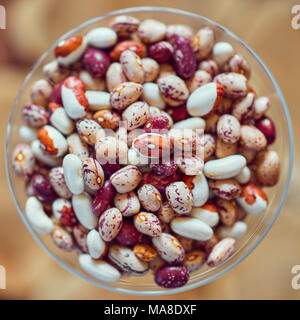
[265, 25]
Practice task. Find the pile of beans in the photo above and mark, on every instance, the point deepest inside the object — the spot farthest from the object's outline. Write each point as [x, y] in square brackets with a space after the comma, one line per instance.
[111, 106]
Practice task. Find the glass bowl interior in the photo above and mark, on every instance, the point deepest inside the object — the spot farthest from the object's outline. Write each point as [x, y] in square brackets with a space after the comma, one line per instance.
[263, 83]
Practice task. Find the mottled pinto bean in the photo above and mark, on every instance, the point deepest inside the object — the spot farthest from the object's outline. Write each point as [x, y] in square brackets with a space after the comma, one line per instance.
[228, 129]
[227, 189]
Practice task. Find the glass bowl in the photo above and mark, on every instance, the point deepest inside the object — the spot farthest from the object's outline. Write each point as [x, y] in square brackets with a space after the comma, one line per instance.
[264, 84]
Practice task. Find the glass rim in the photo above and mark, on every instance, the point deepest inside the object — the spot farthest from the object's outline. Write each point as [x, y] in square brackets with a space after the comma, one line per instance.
[288, 177]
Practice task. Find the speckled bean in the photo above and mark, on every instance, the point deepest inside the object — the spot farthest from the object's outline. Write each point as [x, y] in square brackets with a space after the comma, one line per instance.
[169, 248]
[63, 212]
[194, 260]
[150, 198]
[126, 179]
[228, 129]
[125, 258]
[110, 224]
[184, 61]
[179, 197]
[132, 66]
[125, 94]
[173, 90]
[103, 198]
[136, 115]
[35, 116]
[171, 277]
[268, 168]
[227, 211]
[148, 224]
[224, 149]
[227, 189]
[62, 239]
[221, 252]
[234, 84]
[23, 160]
[252, 138]
[127, 203]
[40, 92]
[124, 25]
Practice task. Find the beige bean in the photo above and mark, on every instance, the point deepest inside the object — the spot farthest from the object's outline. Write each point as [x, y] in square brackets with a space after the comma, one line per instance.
[124, 25]
[252, 138]
[151, 31]
[203, 43]
[211, 121]
[224, 149]
[126, 179]
[268, 168]
[136, 115]
[221, 252]
[132, 66]
[151, 69]
[227, 211]
[114, 76]
[169, 248]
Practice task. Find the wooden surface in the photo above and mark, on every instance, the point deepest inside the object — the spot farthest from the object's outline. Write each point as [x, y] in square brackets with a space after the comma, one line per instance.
[32, 26]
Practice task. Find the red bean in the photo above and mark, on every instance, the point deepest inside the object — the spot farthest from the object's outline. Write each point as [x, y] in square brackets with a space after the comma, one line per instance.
[128, 235]
[161, 51]
[171, 277]
[267, 127]
[184, 60]
[178, 113]
[156, 124]
[96, 61]
[167, 168]
[56, 93]
[43, 189]
[103, 198]
[160, 182]
[110, 168]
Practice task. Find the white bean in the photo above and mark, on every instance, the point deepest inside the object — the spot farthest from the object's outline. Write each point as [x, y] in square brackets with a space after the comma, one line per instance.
[37, 217]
